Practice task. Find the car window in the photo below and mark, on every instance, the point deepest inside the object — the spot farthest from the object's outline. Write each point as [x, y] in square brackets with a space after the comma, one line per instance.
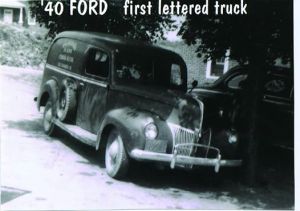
[149, 69]
[275, 85]
[236, 82]
[278, 86]
[97, 63]
[140, 70]
[175, 78]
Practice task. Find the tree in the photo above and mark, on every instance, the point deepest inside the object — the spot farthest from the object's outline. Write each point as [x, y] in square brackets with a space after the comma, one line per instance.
[142, 27]
[257, 39]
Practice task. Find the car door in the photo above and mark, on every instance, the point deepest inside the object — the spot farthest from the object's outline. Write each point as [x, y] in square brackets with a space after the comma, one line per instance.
[93, 89]
[277, 117]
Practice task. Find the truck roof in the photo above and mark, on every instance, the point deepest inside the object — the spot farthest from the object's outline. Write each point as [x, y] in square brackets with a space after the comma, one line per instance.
[112, 42]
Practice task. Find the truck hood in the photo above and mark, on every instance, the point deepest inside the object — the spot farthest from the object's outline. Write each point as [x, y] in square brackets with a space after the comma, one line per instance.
[172, 106]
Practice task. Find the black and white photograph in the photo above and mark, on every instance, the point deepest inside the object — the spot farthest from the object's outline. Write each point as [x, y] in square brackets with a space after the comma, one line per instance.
[147, 104]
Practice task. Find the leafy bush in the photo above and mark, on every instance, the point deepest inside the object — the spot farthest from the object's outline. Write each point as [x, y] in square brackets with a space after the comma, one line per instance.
[22, 47]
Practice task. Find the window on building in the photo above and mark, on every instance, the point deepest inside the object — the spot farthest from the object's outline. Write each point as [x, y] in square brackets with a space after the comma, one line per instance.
[217, 67]
[8, 16]
[31, 20]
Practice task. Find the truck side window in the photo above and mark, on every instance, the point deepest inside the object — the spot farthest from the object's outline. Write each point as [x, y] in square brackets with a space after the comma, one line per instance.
[175, 78]
[97, 63]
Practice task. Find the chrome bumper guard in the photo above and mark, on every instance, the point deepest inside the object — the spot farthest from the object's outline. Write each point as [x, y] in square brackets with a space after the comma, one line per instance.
[183, 159]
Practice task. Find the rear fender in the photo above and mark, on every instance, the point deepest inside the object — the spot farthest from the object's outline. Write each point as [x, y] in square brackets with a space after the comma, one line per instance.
[49, 91]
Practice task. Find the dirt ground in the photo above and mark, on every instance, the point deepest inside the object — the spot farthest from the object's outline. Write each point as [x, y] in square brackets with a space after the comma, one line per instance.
[39, 172]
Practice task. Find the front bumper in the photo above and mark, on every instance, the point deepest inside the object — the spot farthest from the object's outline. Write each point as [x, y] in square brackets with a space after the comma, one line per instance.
[182, 159]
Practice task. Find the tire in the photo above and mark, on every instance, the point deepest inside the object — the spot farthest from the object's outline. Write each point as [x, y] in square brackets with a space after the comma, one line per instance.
[66, 104]
[49, 127]
[116, 158]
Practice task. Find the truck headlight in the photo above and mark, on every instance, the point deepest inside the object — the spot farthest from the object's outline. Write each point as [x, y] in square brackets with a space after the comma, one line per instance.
[221, 112]
[151, 131]
[232, 139]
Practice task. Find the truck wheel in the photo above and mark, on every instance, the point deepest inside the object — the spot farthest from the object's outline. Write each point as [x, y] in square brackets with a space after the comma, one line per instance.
[116, 158]
[66, 104]
[49, 127]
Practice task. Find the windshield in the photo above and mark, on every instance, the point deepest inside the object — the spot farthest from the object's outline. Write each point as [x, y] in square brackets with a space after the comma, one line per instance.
[150, 70]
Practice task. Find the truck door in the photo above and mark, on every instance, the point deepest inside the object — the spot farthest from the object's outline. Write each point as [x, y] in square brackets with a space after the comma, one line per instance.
[93, 90]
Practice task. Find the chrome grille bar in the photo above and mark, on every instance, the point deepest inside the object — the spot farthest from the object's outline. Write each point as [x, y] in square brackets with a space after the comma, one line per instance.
[183, 136]
[201, 106]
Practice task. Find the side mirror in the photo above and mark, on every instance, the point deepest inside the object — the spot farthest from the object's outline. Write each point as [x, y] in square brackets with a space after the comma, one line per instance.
[194, 85]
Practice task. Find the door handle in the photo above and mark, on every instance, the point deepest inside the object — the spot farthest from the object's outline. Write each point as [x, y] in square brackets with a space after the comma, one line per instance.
[81, 84]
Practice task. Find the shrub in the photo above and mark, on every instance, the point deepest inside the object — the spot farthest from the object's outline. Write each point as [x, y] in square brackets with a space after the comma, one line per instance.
[22, 47]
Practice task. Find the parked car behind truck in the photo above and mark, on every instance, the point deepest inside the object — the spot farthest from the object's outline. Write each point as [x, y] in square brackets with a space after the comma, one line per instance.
[276, 116]
[129, 100]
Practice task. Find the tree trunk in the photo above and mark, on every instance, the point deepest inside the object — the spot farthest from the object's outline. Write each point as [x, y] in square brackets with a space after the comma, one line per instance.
[250, 110]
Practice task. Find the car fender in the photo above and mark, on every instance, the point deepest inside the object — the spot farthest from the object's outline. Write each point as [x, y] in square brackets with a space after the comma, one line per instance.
[130, 123]
[49, 90]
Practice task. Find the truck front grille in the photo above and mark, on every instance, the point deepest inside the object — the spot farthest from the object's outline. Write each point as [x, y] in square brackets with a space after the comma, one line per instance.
[183, 136]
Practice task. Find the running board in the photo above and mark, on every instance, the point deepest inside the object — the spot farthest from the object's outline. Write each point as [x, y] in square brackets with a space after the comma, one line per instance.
[77, 132]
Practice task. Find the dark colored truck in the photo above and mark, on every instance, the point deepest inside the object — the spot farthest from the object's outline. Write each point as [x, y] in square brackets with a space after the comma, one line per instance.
[128, 100]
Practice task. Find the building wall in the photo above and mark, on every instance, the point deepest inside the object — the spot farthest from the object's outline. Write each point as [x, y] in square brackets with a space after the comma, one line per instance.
[195, 65]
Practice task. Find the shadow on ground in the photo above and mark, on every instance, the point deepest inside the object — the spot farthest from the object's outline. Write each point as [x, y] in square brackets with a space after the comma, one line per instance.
[32, 127]
[274, 190]
[9, 193]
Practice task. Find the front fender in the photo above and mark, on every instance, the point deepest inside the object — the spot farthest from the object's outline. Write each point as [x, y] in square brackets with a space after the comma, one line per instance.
[130, 123]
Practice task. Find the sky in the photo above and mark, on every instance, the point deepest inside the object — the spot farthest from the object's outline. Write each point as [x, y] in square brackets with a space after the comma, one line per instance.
[172, 35]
